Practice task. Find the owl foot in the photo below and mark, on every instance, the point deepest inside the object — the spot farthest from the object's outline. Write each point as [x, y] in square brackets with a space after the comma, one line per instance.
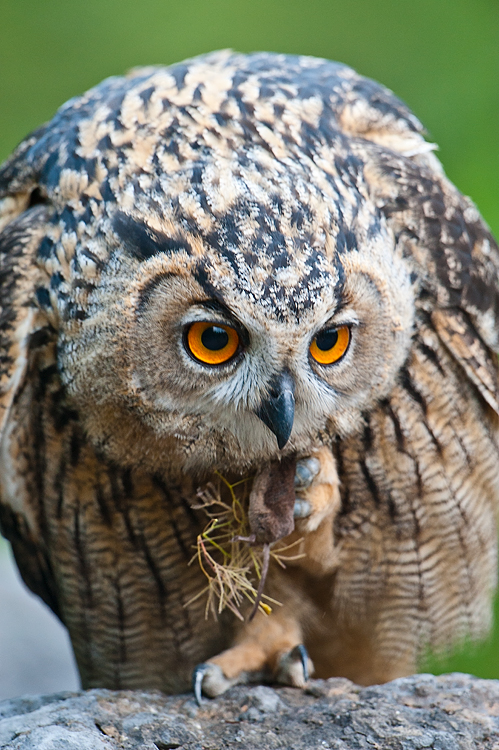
[293, 668]
[316, 487]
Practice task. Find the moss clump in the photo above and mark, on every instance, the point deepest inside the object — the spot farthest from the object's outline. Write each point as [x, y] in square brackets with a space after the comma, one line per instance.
[235, 569]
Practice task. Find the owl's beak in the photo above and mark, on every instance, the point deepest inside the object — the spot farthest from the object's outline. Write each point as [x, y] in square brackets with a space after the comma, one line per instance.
[278, 409]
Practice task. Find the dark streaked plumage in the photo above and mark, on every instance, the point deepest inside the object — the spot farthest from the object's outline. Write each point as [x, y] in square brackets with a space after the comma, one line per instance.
[279, 197]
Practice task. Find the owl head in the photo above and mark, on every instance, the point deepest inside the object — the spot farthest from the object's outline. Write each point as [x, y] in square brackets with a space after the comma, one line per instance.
[225, 285]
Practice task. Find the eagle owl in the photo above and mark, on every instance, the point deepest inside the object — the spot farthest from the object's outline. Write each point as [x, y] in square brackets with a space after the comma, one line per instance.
[250, 267]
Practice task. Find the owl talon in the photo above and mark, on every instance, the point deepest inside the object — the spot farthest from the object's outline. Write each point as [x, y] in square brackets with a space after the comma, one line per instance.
[209, 679]
[306, 471]
[302, 508]
[304, 659]
[197, 681]
[295, 667]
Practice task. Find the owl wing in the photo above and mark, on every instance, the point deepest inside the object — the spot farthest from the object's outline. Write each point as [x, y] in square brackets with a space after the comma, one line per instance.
[454, 257]
[22, 221]
[17, 313]
[21, 326]
[456, 265]
[463, 341]
[419, 482]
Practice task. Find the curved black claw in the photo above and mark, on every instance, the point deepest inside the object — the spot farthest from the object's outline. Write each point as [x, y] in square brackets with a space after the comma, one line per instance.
[302, 652]
[294, 667]
[306, 471]
[197, 681]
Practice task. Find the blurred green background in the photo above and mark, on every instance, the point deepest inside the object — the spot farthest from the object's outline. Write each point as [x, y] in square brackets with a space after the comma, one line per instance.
[440, 56]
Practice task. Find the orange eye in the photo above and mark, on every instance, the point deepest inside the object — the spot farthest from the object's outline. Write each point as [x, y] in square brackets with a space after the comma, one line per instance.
[330, 345]
[212, 344]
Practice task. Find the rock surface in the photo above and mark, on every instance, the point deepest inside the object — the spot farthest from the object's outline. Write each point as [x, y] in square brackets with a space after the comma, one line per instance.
[451, 712]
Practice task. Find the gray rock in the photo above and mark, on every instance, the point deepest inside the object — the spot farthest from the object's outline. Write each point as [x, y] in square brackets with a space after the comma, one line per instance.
[264, 699]
[452, 712]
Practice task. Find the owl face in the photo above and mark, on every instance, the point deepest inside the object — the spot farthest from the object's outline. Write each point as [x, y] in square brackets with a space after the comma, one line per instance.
[241, 341]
